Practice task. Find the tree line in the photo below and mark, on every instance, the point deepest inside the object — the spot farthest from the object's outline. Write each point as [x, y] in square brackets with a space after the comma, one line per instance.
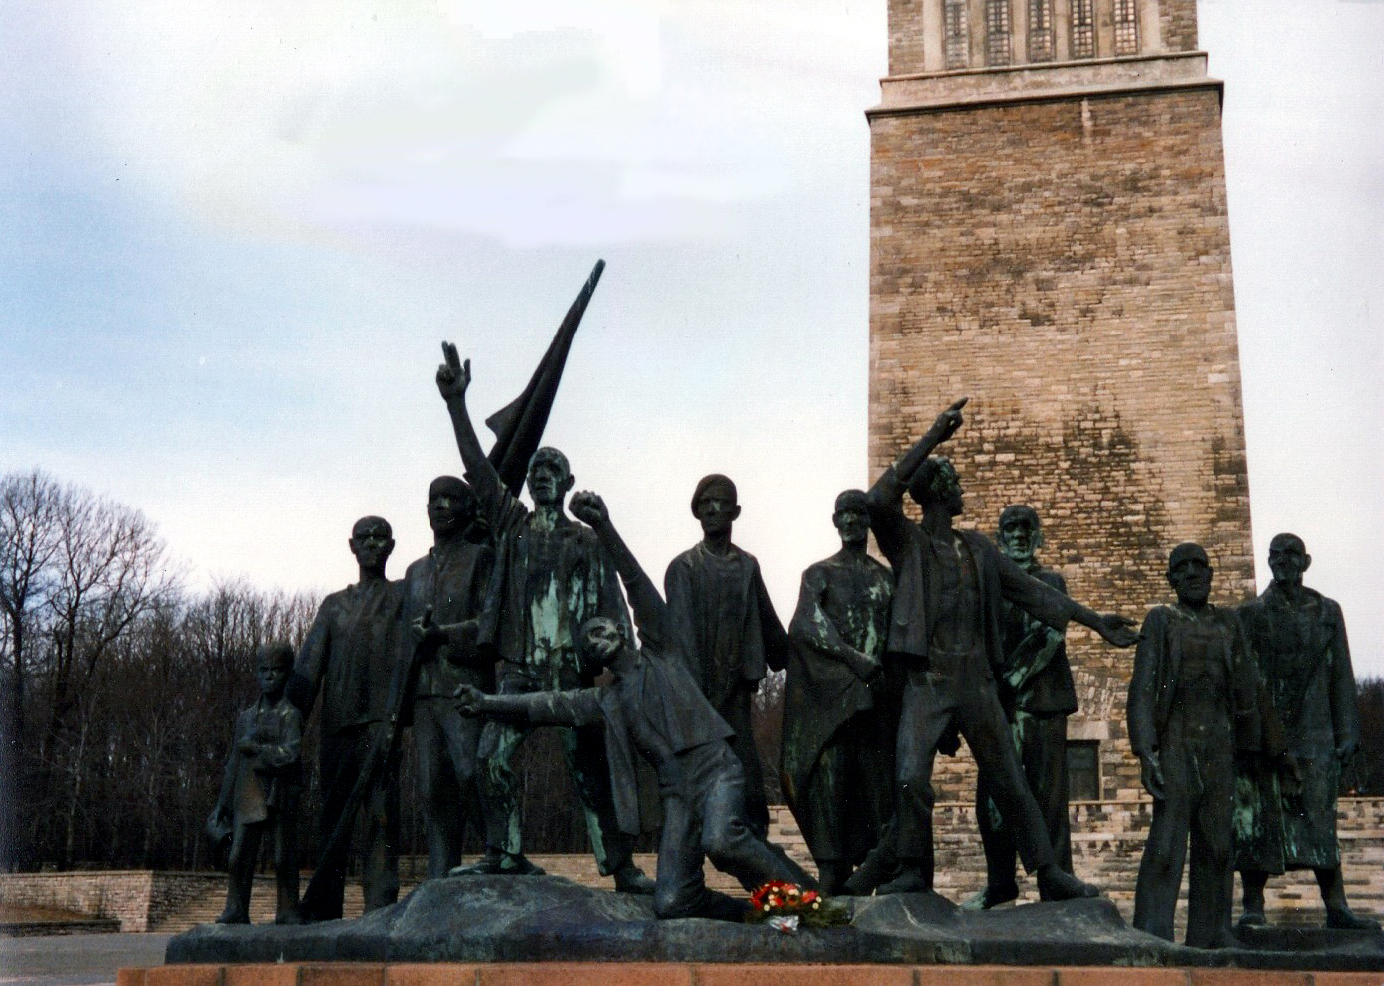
[119, 688]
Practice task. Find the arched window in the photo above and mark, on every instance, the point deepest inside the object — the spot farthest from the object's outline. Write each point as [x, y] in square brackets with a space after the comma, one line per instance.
[1083, 29]
[1126, 27]
[1041, 47]
[997, 47]
[957, 28]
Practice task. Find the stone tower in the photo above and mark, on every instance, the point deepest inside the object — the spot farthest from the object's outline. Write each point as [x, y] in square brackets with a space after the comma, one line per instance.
[1049, 236]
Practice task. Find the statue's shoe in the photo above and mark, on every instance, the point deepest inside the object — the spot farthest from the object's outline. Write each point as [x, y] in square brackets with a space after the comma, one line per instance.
[1346, 919]
[230, 916]
[1055, 883]
[1252, 919]
[911, 880]
[499, 865]
[630, 879]
[992, 897]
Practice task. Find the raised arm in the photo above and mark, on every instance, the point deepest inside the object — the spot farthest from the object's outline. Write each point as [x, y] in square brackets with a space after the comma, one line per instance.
[889, 488]
[650, 611]
[453, 378]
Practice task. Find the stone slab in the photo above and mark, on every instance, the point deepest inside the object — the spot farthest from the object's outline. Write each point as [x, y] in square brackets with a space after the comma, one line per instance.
[490, 920]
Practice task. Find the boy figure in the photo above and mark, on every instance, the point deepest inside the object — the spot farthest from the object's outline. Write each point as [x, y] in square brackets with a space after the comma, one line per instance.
[726, 626]
[551, 575]
[839, 717]
[1037, 694]
[349, 654]
[653, 709]
[261, 790]
[1298, 639]
[1192, 709]
[444, 592]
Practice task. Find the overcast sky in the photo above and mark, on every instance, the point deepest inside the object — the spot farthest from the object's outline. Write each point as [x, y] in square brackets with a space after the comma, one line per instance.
[233, 233]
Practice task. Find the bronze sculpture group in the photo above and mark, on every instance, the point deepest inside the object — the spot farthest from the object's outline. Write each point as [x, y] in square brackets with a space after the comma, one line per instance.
[1241, 721]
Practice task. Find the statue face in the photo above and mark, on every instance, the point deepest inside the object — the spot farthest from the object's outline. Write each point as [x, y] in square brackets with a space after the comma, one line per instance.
[1191, 580]
[372, 543]
[853, 524]
[948, 489]
[450, 510]
[1288, 559]
[601, 639]
[1019, 538]
[272, 673]
[717, 512]
[549, 481]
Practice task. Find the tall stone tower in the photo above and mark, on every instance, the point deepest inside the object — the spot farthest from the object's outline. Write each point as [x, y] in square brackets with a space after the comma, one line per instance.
[1049, 236]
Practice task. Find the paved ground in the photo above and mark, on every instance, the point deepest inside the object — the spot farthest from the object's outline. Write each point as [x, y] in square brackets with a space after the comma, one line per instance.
[76, 960]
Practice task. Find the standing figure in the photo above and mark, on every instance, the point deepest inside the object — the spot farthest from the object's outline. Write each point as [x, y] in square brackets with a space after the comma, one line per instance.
[349, 655]
[726, 626]
[1298, 638]
[652, 709]
[1037, 694]
[945, 630]
[1192, 709]
[261, 790]
[839, 717]
[446, 588]
[551, 575]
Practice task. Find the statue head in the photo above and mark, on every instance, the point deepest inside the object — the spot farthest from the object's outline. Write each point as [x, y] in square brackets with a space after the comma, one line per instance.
[599, 644]
[451, 506]
[715, 504]
[936, 484]
[1189, 574]
[550, 477]
[851, 516]
[273, 665]
[1288, 559]
[1020, 533]
[372, 540]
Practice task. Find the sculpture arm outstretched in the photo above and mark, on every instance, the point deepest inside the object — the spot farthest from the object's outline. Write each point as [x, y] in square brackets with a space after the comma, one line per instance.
[890, 486]
[650, 611]
[453, 379]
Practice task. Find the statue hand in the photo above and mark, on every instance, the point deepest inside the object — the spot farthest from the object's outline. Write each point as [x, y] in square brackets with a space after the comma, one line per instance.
[425, 632]
[453, 376]
[1151, 776]
[1290, 776]
[1116, 630]
[863, 666]
[589, 508]
[949, 421]
[1345, 753]
[469, 699]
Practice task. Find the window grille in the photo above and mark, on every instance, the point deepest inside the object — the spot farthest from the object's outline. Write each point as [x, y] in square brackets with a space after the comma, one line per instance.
[1083, 29]
[956, 25]
[1041, 47]
[997, 50]
[1126, 27]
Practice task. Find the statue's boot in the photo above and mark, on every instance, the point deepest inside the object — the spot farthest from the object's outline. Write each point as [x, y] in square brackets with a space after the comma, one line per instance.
[1338, 912]
[1055, 883]
[1252, 901]
[499, 864]
[233, 915]
[832, 875]
[913, 878]
[630, 879]
[992, 896]
[879, 865]
[1345, 918]
[1224, 938]
[289, 917]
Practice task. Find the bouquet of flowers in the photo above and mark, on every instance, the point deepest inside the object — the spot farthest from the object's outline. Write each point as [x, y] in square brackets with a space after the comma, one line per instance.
[786, 906]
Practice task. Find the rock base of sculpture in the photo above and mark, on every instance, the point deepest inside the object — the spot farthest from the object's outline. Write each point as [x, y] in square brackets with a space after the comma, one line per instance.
[529, 919]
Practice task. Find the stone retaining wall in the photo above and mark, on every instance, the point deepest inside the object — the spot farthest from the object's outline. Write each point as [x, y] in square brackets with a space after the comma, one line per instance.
[138, 899]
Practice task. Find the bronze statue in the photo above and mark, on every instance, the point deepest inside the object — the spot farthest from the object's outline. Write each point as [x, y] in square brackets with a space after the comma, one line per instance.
[551, 575]
[350, 654]
[1298, 639]
[726, 626]
[1037, 693]
[1192, 710]
[653, 709]
[446, 588]
[839, 716]
[261, 791]
[945, 630]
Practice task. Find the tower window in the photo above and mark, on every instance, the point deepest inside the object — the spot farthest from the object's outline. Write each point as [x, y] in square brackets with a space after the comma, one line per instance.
[1083, 770]
[957, 28]
[1083, 29]
[997, 51]
[1126, 27]
[1040, 40]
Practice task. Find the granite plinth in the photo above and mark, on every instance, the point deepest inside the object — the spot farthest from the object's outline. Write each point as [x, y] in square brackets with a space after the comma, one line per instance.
[487, 919]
